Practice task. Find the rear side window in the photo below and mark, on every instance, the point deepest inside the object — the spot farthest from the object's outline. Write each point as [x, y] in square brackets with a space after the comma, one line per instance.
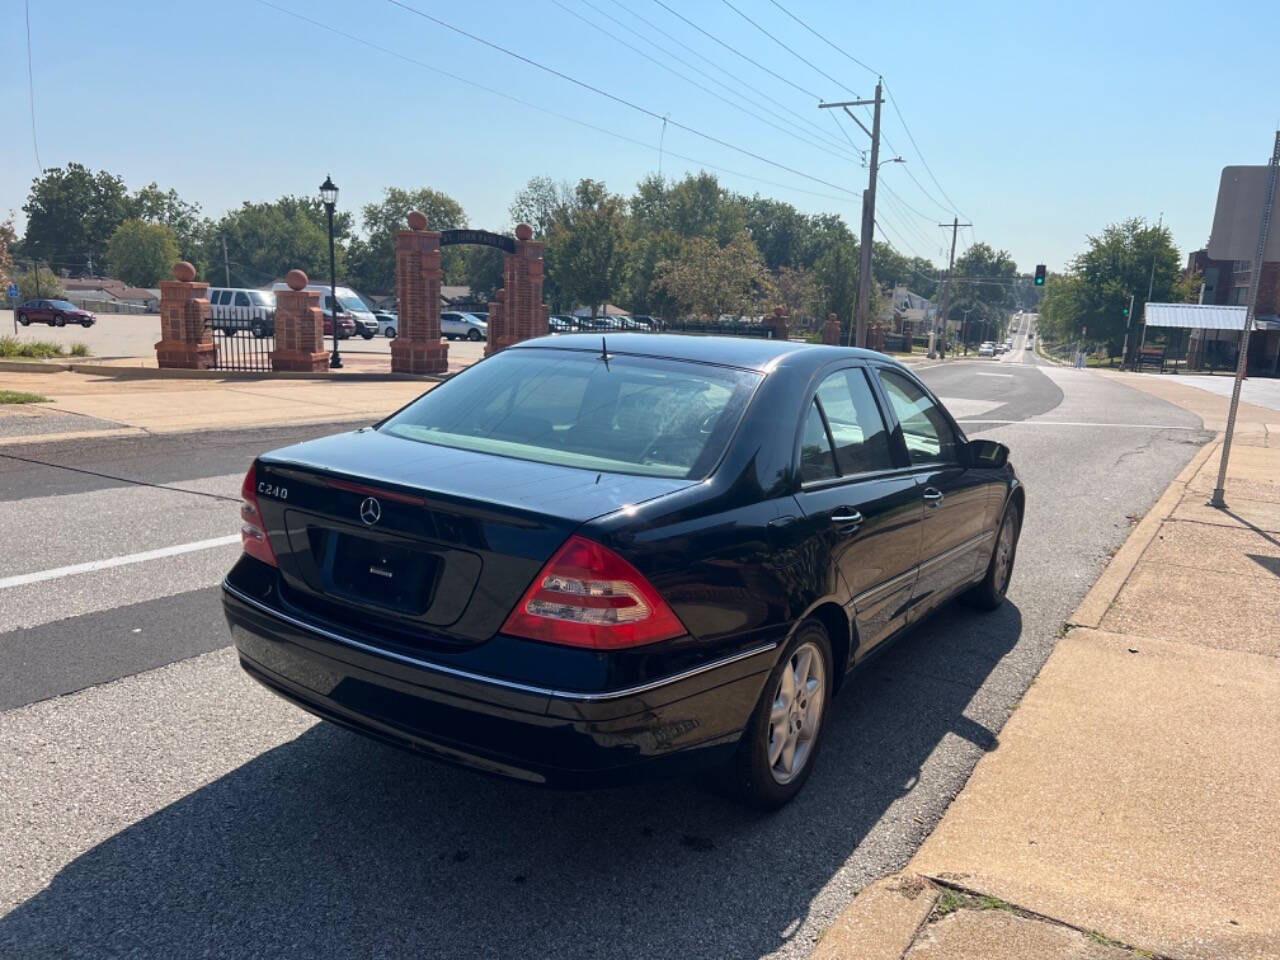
[816, 459]
[857, 428]
[638, 415]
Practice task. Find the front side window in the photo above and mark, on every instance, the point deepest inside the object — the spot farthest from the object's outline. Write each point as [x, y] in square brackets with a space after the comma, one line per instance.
[242, 300]
[857, 428]
[638, 415]
[928, 435]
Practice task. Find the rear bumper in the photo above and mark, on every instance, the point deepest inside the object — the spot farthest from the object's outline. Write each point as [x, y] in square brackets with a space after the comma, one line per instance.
[535, 734]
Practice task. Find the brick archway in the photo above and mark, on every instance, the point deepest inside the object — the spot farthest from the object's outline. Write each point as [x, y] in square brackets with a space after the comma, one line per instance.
[516, 314]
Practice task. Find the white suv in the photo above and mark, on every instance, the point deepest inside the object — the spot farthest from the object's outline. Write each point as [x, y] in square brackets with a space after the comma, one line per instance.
[454, 325]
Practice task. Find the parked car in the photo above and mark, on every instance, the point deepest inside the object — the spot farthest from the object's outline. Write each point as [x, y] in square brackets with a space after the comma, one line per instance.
[571, 569]
[987, 349]
[462, 326]
[562, 323]
[232, 309]
[388, 323]
[56, 313]
[350, 308]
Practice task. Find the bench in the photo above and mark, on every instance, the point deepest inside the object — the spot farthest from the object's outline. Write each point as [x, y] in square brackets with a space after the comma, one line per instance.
[1153, 356]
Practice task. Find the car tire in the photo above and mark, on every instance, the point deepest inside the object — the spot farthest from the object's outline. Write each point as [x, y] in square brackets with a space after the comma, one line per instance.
[475, 336]
[86, 324]
[367, 335]
[24, 320]
[990, 592]
[754, 778]
[258, 330]
[59, 321]
[391, 333]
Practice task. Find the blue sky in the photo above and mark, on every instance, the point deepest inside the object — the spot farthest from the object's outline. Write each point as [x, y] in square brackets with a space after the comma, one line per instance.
[1040, 125]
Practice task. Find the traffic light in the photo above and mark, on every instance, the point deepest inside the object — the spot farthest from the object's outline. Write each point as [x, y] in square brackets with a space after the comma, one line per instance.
[1124, 311]
[1040, 275]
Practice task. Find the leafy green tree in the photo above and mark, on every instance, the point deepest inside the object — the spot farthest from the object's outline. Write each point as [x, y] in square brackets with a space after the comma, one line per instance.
[984, 280]
[50, 284]
[267, 240]
[779, 230]
[373, 256]
[71, 214]
[588, 247]
[153, 205]
[798, 291]
[141, 253]
[837, 274]
[8, 237]
[711, 279]
[541, 203]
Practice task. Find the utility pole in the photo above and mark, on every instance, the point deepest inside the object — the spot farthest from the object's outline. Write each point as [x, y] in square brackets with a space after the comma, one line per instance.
[1264, 234]
[868, 211]
[1128, 328]
[226, 264]
[955, 226]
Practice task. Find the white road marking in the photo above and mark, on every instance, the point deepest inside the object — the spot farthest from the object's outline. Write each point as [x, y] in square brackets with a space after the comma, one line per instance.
[1074, 423]
[1007, 375]
[961, 407]
[128, 558]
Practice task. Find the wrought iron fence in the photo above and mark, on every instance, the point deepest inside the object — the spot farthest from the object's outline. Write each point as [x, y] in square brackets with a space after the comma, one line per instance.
[243, 338]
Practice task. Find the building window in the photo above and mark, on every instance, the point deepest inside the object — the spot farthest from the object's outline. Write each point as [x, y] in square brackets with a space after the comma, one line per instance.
[1241, 296]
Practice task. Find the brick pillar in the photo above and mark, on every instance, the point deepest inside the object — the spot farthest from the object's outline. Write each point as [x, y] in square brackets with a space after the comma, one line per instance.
[417, 347]
[498, 333]
[779, 323]
[186, 341]
[299, 328]
[875, 337]
[831, 330]
[524, 315]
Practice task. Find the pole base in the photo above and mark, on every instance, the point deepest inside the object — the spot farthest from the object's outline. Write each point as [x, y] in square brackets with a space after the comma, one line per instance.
[1218, 500]
[335, 361]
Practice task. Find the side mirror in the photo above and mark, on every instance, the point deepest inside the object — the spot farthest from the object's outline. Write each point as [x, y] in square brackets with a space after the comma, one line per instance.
[987, 454]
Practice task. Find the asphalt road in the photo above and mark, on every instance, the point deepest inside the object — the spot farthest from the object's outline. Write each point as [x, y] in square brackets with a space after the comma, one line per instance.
[157, 803]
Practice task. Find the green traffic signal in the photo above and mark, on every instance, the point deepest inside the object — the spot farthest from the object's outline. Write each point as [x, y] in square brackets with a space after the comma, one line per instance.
[1124, 311]
[1040, 271]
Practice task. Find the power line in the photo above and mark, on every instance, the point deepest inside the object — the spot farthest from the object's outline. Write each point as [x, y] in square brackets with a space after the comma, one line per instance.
[755, 63]
[808, 63]
[614, 37]
[539, 108]
[843, 53]
[31, 91]
[615, 98]
[920, 154]
[703, 57]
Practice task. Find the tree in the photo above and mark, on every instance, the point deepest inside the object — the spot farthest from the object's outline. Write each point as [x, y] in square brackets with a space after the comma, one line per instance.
[707, 278]
[71, 215]
[141, 254]
[267, 240]
[984, 280]
[779, 230]
[50, 284]
[798, 290]
[541, 203]
[588, 247]
[7, 239]
[373, 257]
[153, 205]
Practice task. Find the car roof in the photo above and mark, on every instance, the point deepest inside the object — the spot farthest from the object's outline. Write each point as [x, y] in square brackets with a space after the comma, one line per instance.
[749, 353]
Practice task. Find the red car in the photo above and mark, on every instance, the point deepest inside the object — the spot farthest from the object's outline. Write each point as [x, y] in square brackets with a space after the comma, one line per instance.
[346, 325]
[56, 313]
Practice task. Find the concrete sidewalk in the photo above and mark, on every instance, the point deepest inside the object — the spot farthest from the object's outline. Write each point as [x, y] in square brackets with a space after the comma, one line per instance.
[97, 405]
[1131, 806]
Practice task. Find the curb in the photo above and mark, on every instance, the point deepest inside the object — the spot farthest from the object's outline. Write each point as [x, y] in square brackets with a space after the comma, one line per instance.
[1102, 595]
[882, 921]
[121, 432]
[156, 373]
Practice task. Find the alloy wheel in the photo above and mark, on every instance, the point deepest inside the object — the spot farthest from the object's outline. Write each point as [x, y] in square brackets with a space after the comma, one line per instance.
[796, 716]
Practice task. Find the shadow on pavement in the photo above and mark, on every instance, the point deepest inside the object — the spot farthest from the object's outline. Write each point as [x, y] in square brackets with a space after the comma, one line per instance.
[336, 846]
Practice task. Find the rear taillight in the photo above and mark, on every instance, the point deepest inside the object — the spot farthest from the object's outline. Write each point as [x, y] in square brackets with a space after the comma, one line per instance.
[253, 531]
[588, 596]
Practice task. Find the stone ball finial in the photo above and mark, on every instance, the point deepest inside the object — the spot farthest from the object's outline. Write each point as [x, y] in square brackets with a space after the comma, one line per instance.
[831, 318]
[777, 311]
[296, 279]
[524, 231]
[184, 271]
[417, 220]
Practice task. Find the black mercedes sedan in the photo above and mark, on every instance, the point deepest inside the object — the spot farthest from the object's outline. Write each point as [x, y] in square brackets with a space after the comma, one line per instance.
[588, 558]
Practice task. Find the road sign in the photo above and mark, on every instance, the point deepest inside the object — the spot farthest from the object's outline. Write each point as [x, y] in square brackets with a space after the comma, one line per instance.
[1242, 192]
[13, 291]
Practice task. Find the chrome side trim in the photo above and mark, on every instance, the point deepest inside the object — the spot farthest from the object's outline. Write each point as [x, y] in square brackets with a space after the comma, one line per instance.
[958, 549]
[494, 681]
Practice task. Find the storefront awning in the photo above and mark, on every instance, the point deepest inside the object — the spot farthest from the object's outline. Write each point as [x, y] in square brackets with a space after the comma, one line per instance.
[1194, 316]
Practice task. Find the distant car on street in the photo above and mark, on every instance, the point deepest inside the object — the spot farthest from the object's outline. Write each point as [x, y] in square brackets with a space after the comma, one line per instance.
[987, 349]
[56, 313]
[354, 316]
[463, 326]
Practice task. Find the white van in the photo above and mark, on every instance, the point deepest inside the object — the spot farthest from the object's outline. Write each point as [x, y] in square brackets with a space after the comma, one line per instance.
[349, 306]
[232, 309]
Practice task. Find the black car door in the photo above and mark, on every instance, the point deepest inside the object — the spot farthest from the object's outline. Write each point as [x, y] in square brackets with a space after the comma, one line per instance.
[860, 508]
[956, 531]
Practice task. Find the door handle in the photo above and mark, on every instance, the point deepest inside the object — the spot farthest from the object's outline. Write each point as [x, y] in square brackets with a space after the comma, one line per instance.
[932, 496]
[844, 517]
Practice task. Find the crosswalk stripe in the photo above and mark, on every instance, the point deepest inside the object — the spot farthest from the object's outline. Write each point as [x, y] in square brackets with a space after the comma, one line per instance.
[128, 558]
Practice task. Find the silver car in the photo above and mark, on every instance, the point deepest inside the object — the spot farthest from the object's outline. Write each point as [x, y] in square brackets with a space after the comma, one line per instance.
[466, 326]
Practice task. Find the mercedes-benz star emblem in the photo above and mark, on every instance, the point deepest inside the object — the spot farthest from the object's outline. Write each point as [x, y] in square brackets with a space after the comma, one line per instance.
[370, 511]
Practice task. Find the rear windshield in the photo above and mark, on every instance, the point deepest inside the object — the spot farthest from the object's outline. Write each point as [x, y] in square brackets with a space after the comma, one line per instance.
[637, 415]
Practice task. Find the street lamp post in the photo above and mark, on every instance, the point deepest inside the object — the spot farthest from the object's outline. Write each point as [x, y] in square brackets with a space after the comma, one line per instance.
[329, 195]
[964, 329]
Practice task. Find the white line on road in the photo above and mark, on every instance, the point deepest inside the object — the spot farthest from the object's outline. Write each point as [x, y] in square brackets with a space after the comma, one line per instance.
[1075, 423]
[1009, 375]
[128, 558]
